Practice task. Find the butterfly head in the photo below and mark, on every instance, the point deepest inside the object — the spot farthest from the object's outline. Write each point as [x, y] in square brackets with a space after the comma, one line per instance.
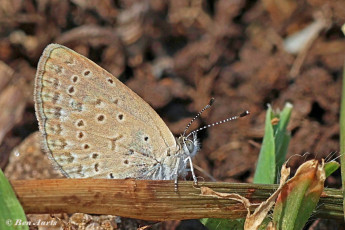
[188, 146]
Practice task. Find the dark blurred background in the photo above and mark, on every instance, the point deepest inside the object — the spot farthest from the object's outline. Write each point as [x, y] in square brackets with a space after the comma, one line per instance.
[176, 55]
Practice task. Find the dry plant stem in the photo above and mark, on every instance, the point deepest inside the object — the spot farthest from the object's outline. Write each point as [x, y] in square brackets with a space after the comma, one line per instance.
[149, 199]
[296, 67]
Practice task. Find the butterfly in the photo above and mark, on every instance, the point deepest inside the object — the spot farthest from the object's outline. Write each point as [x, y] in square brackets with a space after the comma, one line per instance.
[95, 126]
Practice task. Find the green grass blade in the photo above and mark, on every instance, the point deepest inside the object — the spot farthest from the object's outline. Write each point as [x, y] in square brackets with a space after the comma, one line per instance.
[331, 167]
[285, 116]
[10, 209]
[266, 167]
[282, 137]
[342, 137]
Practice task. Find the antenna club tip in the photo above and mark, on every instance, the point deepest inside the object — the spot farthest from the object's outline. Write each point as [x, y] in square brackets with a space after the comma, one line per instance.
[245, 113]
[211, 101]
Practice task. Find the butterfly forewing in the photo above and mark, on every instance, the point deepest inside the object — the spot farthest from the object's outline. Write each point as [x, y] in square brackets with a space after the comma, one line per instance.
[92, 124]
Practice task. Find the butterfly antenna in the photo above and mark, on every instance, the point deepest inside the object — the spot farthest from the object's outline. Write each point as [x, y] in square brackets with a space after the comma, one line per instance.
[245, 113]
[198, 115]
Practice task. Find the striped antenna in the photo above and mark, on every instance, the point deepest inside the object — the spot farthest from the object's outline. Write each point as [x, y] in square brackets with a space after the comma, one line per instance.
[198, 115]
[245, 113]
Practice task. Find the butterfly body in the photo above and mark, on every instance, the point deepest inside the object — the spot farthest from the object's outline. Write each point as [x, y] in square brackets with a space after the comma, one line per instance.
[95, 126]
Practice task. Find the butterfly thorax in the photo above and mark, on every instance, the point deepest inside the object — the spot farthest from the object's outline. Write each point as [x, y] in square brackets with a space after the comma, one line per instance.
[186, 148]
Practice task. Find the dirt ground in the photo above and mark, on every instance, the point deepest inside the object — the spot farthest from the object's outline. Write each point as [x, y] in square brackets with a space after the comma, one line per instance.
[176, 55]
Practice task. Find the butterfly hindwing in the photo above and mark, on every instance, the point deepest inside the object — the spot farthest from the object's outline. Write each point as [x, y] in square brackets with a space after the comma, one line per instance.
[92, 124]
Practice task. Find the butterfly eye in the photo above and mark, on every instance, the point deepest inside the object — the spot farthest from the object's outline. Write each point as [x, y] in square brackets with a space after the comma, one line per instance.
[190, 146]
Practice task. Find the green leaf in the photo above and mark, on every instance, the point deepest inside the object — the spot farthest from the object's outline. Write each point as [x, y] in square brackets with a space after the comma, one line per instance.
[274, 146]
[342, 137]
[266, 167]
[281, 136]
[331, 167]
[10, 209]
[220, 224]
[299, 196]
[291, 213]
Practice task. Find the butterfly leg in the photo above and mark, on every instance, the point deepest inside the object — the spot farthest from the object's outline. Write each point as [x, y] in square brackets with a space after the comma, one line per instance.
[176, 174]
[192, 169]
[176, 185]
